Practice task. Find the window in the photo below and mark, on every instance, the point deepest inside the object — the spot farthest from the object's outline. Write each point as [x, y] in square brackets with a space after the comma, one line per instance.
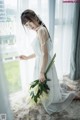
[7, 42]
[13, 33]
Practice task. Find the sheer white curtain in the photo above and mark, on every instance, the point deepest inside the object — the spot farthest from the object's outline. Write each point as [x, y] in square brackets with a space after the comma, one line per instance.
[63, 36]
[5, 111]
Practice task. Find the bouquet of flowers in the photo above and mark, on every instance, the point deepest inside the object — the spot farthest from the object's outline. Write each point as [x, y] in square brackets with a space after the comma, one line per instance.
[40, 87]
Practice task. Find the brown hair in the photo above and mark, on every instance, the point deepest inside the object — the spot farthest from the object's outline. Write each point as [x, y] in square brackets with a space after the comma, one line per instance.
[30, 15]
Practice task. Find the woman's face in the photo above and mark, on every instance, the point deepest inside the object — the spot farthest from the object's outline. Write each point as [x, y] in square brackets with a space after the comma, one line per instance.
[31, 25]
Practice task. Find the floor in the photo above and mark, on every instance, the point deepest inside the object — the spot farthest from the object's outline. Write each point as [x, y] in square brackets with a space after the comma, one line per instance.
[22, 112]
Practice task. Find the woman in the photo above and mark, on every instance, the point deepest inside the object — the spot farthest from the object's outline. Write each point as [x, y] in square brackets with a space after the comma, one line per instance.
[58, 99]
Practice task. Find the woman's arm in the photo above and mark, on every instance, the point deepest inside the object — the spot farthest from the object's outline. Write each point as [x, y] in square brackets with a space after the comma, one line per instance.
[43, 37]
[23, 57]
[31, 56]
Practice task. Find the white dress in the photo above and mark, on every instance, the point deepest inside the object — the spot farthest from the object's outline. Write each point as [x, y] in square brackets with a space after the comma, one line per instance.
[58, 99]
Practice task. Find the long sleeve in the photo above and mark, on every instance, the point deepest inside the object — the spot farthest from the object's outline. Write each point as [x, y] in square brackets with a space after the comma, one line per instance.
[43, 37]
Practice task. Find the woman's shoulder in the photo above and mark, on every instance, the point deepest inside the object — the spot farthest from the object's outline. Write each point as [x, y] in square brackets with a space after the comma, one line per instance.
[43, 31]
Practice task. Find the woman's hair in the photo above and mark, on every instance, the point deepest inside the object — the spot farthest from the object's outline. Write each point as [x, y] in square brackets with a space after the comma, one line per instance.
[30, 15]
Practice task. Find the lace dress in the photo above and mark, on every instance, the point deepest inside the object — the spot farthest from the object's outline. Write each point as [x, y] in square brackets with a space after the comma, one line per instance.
[58, 99]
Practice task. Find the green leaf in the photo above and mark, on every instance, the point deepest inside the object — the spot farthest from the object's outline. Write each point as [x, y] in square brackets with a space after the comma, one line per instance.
[32, 94]
[50, 63]
[45, 90]
[38, 93]
[34, 84]
[46, 86]
[36, 81]
[35, 99]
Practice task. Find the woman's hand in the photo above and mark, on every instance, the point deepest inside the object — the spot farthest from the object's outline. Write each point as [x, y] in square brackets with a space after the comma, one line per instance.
[23, 57]
[42, 77]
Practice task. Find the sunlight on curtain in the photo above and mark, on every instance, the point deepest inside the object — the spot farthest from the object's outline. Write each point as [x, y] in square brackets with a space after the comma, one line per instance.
[63, 36]
[5, 110]
[7, 44]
